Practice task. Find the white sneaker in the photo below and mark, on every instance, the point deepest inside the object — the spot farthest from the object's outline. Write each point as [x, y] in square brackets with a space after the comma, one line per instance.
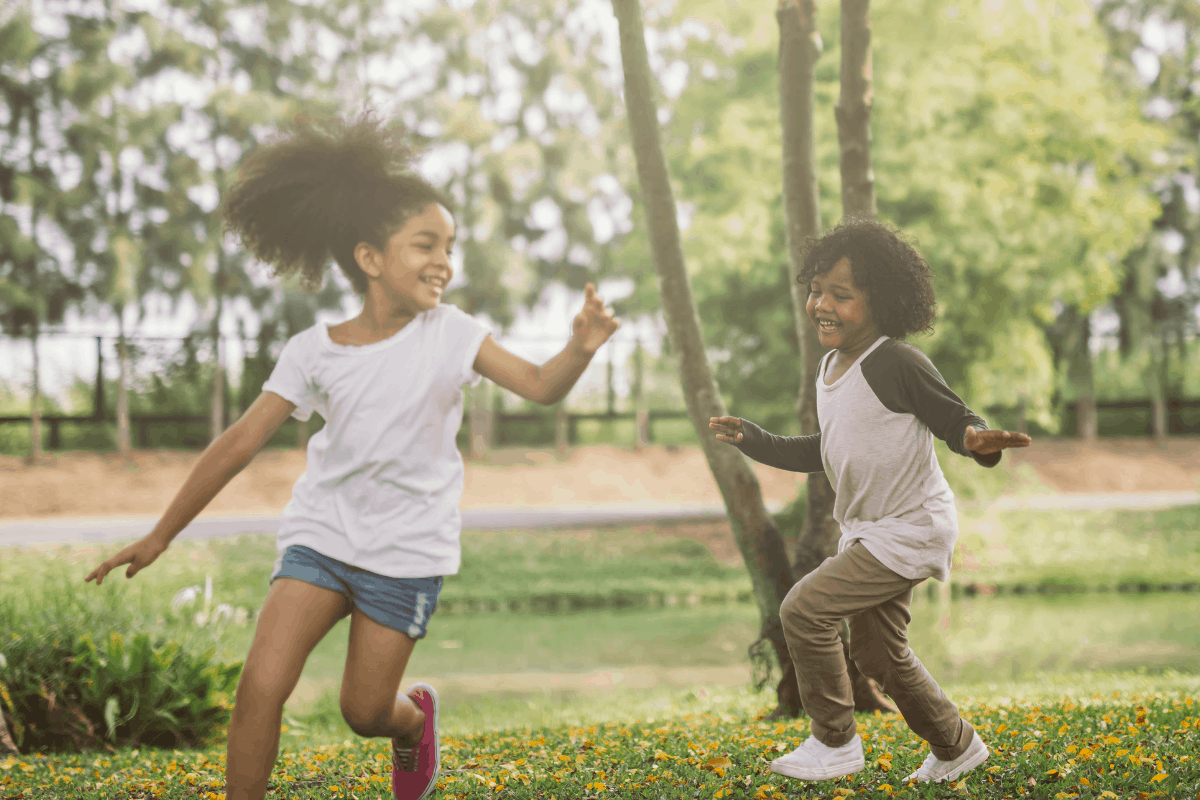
[936, 770]
[813, 761]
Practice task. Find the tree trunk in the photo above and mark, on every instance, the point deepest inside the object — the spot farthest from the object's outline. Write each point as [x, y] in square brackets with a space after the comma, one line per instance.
[562, 430]
[479, 422]
[98, 400]
[6, 741]
[753, 527]
[1080, 377]
[641, 435]
[35, 400]
[854, 111]
[123, 446]
[216, 419]
[1160, 385]
[799, 48]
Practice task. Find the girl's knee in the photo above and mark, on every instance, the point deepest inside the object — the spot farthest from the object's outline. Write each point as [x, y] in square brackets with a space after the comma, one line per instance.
[261, 686]
[367, 717]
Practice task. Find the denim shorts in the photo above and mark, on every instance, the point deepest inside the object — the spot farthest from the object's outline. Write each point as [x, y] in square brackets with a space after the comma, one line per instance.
[403, 604]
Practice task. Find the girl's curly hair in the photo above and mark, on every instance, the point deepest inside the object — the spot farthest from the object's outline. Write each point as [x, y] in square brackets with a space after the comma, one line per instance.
[323, 188]
[885, 266]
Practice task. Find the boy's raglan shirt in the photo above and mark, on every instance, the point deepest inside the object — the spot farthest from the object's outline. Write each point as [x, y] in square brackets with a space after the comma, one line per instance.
[877, 425]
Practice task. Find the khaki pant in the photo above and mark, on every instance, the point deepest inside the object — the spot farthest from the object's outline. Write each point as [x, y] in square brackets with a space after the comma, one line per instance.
[854, 584]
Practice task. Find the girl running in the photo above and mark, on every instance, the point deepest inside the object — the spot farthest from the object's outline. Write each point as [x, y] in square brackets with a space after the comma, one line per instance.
[880, 402]
[373, 525]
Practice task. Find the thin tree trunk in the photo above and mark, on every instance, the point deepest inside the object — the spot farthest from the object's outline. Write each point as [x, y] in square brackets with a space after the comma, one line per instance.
[753, 527]
[641, 435]
[98, 400]
[799, 48]
[216, 420]
[1161, 385]
[6, 741]
[35, 400]
[123, 446]
[480, 427]
[1085, 383]
[854, 111]
[1078, 355]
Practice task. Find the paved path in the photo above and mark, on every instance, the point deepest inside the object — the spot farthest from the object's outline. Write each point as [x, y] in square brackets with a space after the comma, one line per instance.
[113, 529]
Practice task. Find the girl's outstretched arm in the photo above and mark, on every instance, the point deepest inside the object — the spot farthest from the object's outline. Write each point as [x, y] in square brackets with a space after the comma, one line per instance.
[550, 382]
[223, 459]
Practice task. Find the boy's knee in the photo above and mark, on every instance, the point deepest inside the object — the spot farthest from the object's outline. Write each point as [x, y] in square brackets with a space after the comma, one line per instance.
[800, 615]
[875, 660]
[871, 663]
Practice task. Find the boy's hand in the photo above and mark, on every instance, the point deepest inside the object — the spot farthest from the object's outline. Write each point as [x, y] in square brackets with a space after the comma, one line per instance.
[729, 429]
[987, 442]
[594, 324]
[138, 556]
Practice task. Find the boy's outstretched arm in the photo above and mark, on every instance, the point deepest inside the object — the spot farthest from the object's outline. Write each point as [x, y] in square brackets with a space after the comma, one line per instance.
[793, 453]
[988, 441]
[552, 381]
[223, 459]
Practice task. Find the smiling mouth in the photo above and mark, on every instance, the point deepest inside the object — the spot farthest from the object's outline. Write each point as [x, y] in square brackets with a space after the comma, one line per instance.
[435, 282]
[828, 325]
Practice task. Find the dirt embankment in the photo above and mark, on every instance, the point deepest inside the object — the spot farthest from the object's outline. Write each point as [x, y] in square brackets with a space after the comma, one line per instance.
[91, 485]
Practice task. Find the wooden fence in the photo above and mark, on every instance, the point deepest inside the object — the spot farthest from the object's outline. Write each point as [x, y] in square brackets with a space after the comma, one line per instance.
[499, 428]
[481, 432]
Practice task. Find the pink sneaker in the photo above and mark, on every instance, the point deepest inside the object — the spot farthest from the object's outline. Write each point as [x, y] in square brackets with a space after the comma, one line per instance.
[415, 769]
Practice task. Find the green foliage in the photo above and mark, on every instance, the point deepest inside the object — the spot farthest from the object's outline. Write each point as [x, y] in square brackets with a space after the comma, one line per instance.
[1008, 157]
[80, 672]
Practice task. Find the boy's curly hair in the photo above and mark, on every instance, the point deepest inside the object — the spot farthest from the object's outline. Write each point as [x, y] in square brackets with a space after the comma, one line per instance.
[321, 189]
[885, 266]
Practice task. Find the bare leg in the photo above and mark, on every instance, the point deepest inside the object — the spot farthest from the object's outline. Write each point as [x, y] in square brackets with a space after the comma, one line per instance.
[375, 665]
[294, 618]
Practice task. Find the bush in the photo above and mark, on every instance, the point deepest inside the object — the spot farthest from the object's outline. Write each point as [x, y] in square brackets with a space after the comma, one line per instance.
[78, 673]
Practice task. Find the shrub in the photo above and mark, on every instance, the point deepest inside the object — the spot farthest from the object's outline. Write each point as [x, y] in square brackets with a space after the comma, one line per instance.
[81, 671]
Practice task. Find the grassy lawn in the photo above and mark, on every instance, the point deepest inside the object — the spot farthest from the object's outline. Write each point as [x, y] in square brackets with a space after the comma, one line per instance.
[1079, 549]
[575, 603]
[615, 567]
[1088, 736]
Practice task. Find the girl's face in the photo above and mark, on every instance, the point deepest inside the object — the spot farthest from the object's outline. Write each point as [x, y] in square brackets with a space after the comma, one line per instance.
[414, 268]
[839, 310]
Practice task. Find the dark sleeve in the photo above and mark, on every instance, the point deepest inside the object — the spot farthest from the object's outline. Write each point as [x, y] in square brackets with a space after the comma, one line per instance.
[906, 382]
[794, 453]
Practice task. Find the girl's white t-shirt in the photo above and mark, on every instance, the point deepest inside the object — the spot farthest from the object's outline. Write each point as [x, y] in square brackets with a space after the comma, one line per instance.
[384, 475]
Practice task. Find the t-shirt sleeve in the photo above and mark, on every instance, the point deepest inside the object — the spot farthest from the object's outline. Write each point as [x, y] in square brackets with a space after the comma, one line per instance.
[793, 453]
[291, 378]
[468, 333]
[906, 382]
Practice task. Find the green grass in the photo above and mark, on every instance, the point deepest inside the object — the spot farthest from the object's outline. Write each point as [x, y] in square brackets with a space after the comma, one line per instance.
[1090, 736]
[614, 567]
[1079, 549]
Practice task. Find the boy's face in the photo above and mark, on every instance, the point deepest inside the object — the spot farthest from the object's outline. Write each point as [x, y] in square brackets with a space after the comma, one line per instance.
[839, 310]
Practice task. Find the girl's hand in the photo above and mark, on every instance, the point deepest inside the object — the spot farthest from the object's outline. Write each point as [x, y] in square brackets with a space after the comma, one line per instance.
[594, 324]
[987, 442]
[729, 429]
[138, 556]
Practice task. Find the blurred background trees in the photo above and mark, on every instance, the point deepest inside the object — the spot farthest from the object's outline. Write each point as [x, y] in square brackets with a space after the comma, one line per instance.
[1044, 159]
